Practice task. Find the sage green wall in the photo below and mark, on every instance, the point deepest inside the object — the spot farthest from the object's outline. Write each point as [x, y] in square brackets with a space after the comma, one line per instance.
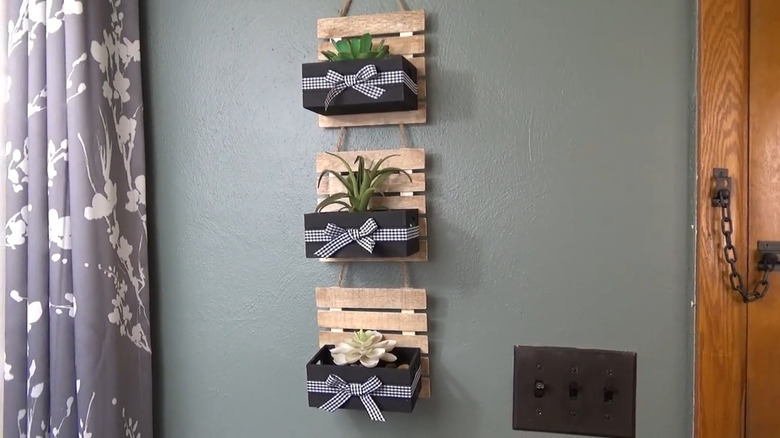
[559, 142]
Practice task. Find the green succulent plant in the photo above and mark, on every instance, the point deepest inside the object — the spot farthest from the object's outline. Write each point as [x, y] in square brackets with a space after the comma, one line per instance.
[360, 184]
[357, 48]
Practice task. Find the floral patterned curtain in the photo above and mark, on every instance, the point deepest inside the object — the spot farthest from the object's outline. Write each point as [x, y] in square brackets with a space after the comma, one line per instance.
[78, 355]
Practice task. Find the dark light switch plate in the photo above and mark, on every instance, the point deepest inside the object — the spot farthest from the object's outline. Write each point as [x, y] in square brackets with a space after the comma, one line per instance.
[575, 391]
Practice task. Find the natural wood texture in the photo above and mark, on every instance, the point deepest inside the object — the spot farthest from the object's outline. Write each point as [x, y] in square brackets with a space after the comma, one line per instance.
[425, 391]
[376, 24]
[422, 89]
[362, 298]
[722, 124]
[394, 184]
[408, 158]
[419, 64]
[763, 332]
[410, 45]
[357, 308]
[417, 322]
[390, 202]
[420, 115]
[416, 341]
[421, 256]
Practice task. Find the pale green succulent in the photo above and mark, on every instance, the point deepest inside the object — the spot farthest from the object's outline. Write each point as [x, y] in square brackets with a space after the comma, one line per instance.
[366, 347]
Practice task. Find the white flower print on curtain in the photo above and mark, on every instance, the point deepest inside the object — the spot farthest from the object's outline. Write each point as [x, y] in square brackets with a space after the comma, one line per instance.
[78, 354]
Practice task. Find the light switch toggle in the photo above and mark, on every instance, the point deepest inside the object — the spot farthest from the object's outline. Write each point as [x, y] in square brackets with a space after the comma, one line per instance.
[609, 394]
[538, 389]
[574, 390]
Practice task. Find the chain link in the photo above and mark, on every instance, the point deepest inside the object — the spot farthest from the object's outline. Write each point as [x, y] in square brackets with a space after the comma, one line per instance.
[730, 253]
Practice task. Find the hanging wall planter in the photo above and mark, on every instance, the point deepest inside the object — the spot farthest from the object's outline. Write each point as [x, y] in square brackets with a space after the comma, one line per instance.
[360, 78]
[354, 229]
[370, 383]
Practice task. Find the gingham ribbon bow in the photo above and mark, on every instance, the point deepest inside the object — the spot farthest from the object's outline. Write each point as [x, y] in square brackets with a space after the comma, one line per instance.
[348, 390]
[339, 238]
[358, 81]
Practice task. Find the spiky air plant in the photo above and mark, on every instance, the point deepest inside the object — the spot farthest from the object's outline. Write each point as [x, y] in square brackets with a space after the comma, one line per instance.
[360, 184]
[366, 347]
[357, 48]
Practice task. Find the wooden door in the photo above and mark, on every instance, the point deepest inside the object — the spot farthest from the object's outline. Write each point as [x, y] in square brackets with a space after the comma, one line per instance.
[763, 317]
[737, 344]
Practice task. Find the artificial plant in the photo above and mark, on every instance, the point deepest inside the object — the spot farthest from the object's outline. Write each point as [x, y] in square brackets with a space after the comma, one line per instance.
[360, 184]
[367, 347]
[348, 49]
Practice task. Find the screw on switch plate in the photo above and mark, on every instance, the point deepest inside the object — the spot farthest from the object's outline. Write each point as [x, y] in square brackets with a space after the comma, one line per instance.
[575, 391]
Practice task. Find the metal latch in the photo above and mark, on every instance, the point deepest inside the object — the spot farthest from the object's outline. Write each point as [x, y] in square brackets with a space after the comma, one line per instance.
[768, 255]
[722, 194]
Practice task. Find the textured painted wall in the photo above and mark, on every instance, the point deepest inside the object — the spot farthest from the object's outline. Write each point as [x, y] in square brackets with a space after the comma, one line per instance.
[558, 144]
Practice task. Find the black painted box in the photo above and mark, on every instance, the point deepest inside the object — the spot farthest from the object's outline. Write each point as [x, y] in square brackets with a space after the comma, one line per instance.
[397, 219]
[397, 97]
[321, 366]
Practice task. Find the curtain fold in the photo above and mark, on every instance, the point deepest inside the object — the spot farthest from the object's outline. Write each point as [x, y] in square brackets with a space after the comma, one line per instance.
[78, 355]
[3, 171]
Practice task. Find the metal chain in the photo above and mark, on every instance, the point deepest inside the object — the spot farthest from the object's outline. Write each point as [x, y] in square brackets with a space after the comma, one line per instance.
[730, 252]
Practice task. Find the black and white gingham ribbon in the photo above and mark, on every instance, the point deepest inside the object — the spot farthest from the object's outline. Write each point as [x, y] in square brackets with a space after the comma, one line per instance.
[348, 390]
[364, 81]
[344, 390]
[366, 236]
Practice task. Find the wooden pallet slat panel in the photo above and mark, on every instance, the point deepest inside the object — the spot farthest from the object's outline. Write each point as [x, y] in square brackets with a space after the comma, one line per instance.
[416, 341]
[357, 300]
[407, 45]
[422, 89]
[419, 64]
[420, 256]
[425, 391]
[394, 184]
[370, 298]
[402, 322]
[408, 158]
[390, 202]
[423, 227]
[420, 115]
[375, 24]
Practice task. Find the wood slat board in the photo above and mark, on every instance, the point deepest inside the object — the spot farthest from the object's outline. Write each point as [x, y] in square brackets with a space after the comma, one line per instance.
[399, 192]
[357, 298]
[722, 124]
[409, 158]
[394, 184]
[397, 313]
[377, 24]
[403, 34]
[763, 324]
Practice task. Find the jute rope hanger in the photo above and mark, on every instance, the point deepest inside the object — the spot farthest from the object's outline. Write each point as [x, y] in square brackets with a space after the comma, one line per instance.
[345, 4]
